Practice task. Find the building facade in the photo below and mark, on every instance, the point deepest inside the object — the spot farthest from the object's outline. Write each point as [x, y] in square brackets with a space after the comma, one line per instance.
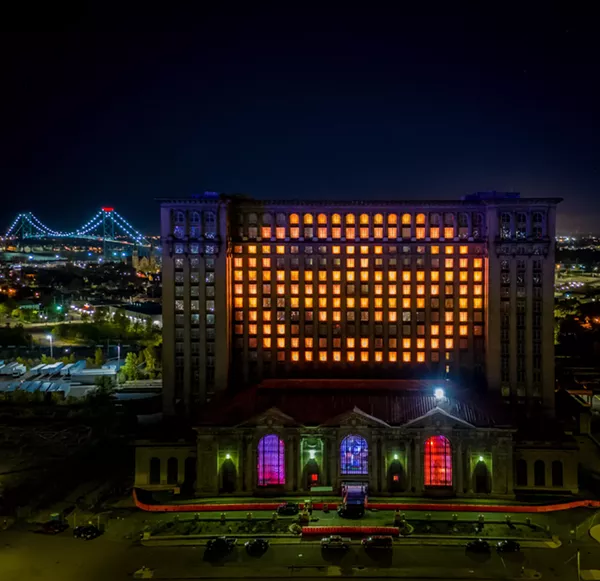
[457, 290]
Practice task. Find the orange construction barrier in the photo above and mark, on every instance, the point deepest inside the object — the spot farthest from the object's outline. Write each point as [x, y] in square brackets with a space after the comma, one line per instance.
[351, 530]
[516, 508]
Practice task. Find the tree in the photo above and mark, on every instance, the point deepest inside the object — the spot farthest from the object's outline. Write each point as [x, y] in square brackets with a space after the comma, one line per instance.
[72, 358]
[130, 367]
[98, 357]
[105, 384]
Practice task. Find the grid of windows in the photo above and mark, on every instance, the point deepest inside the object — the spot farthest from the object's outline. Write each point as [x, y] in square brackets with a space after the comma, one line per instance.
[385, 302]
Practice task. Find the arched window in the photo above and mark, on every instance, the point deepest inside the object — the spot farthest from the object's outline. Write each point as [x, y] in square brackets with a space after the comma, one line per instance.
[364, 219]
[280, 219]
[252, 218]
[354, 455]
[172, 471]
[539, 473]
[420, 219]
[336, 219]
[406, 219]
[271, 461]
[557, 473]
[521, 472]
[378, 219]
[195, 217]
[322, 219]
[350, 219]
[438, 461]
[392, 219]
[294, 219]
[308, 219]
[154, 471]
[267, 218]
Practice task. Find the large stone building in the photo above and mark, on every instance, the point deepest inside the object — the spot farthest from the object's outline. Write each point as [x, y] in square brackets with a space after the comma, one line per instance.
[371, 308]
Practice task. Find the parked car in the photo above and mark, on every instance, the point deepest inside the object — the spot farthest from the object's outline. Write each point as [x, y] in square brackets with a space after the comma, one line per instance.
[378, 542]
[336, 542]
[508, 546]
[52, 527]
[288, 509]
[351, 510]
[86, 532]
[220, 546]
[478, 546]
[256, 547]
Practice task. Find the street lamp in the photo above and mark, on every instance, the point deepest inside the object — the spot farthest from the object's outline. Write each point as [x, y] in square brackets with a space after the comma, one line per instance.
[49, 337]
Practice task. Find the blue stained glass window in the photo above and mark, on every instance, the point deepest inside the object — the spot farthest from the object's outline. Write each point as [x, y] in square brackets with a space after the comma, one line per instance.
[271, 461]
[354, 455]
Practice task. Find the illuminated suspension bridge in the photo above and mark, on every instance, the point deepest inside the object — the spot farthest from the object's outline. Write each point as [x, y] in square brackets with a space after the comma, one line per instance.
[107, 226]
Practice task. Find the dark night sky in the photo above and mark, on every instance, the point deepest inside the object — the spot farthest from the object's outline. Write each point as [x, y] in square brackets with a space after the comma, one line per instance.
[105, 107]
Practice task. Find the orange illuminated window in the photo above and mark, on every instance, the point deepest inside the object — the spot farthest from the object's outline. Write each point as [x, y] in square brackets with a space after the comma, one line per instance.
[350, 356]
[364, 342]
[420, 219]
[251, 249]
[406, 303]
[337, 302]
[435, 275]
[434, 233]
[392, 303]
[463, 249]
[420, 343]
[463, 262]
[449, 232]
[321, 219]
[308, 219]
[308, 289]
[308, 356]
[420, 275]
[252, 316]
[463, 289]
[295, 342]
[477, 289]
[463, 330]
[295, 356]
[449, 249]
[420, 303]
[392, 275]
[294, 232]
[350, 232]
[308, 302]
[252, 275]
[406, 357]
[350, 249]
[364, 356]
[279, 232]
[294, 289]
[308, 275]
[280, 249]
[478, 303]
[266, 232]
[238, 302]
[435, 329]
[420, 357]
[281, 342]
[350, 342]
[322, 232]
[364, 275]
[252, 329]
[477, 276]
[449, 316]
[322, 275]
[463, 316]
[350, 302]
[238, 262]
[378, 356]
[463, 276]
[406, 343]
[435, 289]
[267, 342]
[448, 329]
[322, 355]
[392, 357]
[322, 302]
[378, 275]
[449, 343]
[406, 219]
[364, 303]
[378, 303]
[378, 316]
[449, 262]
[281, 329]
[350, 219]
[295, 302]
[337, 356]
[350, 276]
[252, 302]
[238, 289]
[420, 289]
[364, 250]
[336, 219]
[435, 250]
[477, 263]
[266, 315]
[378, 232]
[337, 289]
[266, 263]
[364, 219]
[364, 232]
[406, 275]
[337, 316]
[463, 303]
[280, 289]
[435, 343]
[266, 249]
[238, 275]
[280, 275]
[378, 289]
[449, 276]
[335, 249]
[420, 233]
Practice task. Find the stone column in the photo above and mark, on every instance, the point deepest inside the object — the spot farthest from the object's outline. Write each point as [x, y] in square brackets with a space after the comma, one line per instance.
[409, 465]
[239, 484]
[459, 468]
[207, 460]
[333, 461]
[468, 470]
[418, 467]
[324, 465]
[382, 466]
[250, 465]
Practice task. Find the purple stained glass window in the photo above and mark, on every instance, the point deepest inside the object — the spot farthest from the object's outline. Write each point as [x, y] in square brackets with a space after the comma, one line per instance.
[354, 455]
[271, 461]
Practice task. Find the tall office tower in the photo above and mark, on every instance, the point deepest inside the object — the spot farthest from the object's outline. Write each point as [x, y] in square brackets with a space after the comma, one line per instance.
[459, 290]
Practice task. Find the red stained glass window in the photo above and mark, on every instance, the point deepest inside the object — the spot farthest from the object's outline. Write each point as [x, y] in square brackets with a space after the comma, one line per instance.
[314, 477]
[396, 478]
[271, 461]
[438, 461]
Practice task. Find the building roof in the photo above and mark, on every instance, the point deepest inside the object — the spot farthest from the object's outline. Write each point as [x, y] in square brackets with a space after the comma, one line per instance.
[316, 402]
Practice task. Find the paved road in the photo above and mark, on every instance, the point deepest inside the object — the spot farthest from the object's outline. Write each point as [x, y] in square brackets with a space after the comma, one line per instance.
[24, 555]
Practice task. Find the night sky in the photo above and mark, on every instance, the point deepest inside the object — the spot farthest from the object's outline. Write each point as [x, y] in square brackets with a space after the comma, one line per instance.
[118, 107]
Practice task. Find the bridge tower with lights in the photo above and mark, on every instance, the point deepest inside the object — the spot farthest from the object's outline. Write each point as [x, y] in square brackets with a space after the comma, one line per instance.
[108, 230]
